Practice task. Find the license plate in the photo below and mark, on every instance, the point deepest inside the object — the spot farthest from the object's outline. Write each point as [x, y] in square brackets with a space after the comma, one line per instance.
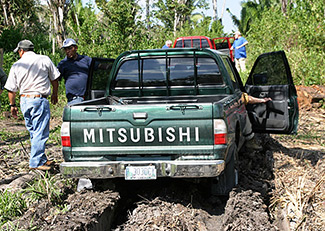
[140, 173]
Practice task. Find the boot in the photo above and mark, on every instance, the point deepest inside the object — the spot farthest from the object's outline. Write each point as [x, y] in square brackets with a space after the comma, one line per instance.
[252, 144]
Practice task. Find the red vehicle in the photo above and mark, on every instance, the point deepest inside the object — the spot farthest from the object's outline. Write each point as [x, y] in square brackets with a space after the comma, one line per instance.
[195, 42]
[222, 44]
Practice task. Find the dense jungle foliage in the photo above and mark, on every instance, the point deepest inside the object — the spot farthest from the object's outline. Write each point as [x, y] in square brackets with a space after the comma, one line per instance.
[297, 27]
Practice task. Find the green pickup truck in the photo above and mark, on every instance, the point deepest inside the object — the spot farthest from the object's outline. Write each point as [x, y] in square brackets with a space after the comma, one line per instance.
[173, 113]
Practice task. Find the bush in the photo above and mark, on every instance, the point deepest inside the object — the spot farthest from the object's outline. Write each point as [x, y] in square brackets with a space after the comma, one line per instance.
[301, 41]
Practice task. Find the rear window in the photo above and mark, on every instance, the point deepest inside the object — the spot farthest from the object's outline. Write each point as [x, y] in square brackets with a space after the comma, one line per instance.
[181, 72]
[197, 43]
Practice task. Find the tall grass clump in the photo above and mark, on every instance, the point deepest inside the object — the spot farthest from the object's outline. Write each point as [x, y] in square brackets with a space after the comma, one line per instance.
[11, 206]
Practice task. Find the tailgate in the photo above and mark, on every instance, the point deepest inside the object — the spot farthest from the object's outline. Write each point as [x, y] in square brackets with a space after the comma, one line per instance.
[119, 131]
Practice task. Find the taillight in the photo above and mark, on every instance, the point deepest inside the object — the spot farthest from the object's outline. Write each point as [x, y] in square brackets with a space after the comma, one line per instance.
[65, 134]
[220, 131]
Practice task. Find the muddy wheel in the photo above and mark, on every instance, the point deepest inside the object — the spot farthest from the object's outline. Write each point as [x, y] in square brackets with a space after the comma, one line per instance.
[228, 179]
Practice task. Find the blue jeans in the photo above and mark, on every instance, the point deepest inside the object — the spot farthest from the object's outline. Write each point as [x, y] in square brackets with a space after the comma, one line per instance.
[76, 99]
[36, 112]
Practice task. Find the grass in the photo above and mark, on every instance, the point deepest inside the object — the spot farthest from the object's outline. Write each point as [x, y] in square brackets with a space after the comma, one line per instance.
[11, 206]
[5, 135]
[55, 136]
[45, 186]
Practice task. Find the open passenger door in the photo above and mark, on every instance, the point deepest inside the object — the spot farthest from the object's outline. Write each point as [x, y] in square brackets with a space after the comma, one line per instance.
[97, 77]
[271, 77]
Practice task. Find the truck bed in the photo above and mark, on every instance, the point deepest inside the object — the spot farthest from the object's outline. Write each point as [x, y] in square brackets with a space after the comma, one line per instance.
[109, 100]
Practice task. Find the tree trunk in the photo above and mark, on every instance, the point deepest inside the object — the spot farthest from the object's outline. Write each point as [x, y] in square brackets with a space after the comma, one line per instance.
[5, 16]
[215, 10]
[78, 25]
[59, 10]
[12, 19]
[284, 6]
[223, 10]
[148, 13]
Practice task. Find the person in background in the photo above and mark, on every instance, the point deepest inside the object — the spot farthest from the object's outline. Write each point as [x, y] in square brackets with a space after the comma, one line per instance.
[167, 45]
[3, 79]
[239, 46]
[74, 69]
[32, 75]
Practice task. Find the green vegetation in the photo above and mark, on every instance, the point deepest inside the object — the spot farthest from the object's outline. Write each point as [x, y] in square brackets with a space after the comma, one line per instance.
[45, 186]
[11, 206]
[300, 33]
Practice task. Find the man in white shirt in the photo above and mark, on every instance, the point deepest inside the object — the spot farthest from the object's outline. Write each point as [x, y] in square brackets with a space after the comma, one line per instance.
[32, 75]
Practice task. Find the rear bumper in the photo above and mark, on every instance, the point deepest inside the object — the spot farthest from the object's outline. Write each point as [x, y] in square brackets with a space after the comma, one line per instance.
[114, 169]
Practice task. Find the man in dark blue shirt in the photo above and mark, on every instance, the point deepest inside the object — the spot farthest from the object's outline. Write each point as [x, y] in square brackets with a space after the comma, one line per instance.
[74, 69]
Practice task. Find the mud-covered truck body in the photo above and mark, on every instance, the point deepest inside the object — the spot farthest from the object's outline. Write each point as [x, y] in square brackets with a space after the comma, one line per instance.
[172, 113]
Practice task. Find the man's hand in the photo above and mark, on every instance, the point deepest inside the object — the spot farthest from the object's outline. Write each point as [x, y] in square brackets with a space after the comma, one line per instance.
[267, 100]
[12, 101]
[54, 96]
[14, 112]
[54, 99]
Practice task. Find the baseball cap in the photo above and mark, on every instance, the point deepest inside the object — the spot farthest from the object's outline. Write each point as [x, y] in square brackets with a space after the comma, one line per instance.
[69, 42]
[238, 32]
[25, 44]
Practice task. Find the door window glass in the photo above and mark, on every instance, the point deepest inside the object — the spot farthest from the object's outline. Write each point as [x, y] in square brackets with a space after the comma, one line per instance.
[269, 70]
[154, 71]
[196, 43]
[181, 72]
[100, 73]
[208, 72]
[179, 44]
[187, 43]
[205, 43]
[128, 75]
[231, 72]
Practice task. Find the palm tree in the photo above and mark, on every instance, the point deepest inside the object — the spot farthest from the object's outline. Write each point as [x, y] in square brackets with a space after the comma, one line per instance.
[251, 10]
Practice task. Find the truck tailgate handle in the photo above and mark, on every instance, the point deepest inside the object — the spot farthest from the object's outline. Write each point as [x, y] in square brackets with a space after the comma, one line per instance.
[140, 115]
[98, 109]
[184, 107]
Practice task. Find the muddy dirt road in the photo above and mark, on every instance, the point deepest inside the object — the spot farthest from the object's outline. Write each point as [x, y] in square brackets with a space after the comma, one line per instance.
[280, 188]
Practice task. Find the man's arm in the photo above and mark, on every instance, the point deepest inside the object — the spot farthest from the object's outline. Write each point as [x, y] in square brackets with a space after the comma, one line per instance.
[252, 100]
[12, 101]
[248, 99]
[244, 44]
[54, 96]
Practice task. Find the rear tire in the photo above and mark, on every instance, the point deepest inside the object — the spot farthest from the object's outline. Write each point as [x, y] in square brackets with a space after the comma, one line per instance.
[228, 179]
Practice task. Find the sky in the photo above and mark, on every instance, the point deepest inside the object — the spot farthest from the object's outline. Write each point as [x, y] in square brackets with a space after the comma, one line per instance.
[233, 5]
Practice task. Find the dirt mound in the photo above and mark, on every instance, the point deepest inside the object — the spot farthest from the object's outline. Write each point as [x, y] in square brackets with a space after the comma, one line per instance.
[161, 215]
[81, 212]
[246, 210]
[309, 97]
